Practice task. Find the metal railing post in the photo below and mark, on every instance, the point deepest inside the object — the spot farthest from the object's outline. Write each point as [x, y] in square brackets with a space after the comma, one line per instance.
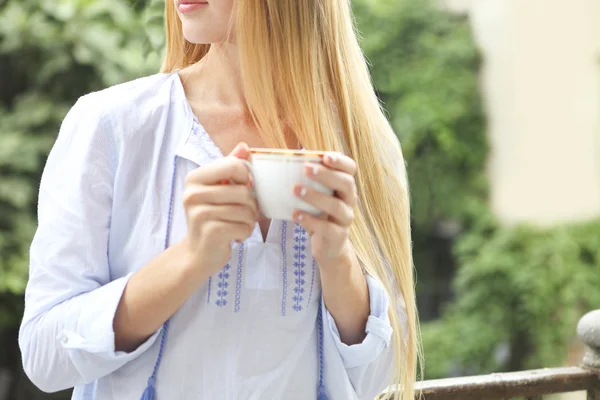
[588, 331]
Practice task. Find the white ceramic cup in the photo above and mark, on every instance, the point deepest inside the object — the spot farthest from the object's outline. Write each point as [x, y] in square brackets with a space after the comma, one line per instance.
[275, 173]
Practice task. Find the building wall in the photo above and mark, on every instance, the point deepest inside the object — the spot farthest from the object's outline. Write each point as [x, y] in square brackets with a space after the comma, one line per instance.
[541, 83]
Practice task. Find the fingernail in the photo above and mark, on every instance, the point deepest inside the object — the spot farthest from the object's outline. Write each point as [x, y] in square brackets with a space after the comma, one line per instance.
[303, 192]
[331, 158]
[315, 169]
[299, 217]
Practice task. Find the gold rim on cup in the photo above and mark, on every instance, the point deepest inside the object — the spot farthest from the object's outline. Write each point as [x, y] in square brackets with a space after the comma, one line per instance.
[288, 152]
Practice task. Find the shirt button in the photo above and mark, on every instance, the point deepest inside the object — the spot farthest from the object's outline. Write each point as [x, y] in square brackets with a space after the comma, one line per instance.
[64, 339]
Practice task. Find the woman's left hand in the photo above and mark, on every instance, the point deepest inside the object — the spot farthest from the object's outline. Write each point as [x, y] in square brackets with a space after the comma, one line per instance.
[330, 233]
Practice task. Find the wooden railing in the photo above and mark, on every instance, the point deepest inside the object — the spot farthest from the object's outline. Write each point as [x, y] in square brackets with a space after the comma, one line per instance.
[524, 384]
[531, 384]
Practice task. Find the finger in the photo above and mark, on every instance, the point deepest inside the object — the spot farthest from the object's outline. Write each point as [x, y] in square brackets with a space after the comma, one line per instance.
[340, 162]
[341, 182]
[225, 213]
[314, 225]
[241, 151]
[219, 194]
[229, 168]
[337, 210]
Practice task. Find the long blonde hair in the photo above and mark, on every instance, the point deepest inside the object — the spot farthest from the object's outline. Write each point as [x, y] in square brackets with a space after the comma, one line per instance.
[303, 70]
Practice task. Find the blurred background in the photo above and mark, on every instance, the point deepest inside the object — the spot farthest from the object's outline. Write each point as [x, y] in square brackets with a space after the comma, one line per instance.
[496, 104]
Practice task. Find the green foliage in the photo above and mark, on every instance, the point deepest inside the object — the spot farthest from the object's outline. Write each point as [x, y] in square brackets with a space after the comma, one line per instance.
[54, 52]
[519, 289]
[425, 67]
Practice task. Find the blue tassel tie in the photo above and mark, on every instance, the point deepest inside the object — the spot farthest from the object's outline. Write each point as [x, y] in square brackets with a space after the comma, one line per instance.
[322, 395]
[149, 393]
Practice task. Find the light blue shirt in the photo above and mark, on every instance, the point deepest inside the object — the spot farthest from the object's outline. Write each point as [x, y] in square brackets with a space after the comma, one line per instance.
[110, 199]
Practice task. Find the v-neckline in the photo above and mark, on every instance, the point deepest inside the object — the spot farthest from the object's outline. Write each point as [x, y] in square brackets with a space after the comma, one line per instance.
[218, 154]
[215, 153]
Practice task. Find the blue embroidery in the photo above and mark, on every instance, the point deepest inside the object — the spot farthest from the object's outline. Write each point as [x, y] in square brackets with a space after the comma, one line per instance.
[312, 281]
[321, 392]
[208, 294]
[284, 266]
[150, 391]
[238, 279]
[207, 142]
[222, 286]
[299, 264]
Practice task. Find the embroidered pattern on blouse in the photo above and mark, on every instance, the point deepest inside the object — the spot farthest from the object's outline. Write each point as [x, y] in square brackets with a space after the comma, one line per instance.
[206, 141]
[208, 293]
[284, 266]
[223, 286]
[299, 264]
[238, 279]
[203, 141]
[312, 280]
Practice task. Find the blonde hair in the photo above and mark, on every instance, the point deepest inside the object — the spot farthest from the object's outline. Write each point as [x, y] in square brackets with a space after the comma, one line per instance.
[298, 64]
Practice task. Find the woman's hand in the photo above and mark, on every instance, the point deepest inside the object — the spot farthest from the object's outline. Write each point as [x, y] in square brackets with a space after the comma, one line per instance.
[218, 212]
[330, 233]
[345, 290]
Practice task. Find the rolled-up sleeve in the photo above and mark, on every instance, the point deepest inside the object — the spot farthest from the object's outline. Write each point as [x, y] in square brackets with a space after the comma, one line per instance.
[369, 364]
[66, 336]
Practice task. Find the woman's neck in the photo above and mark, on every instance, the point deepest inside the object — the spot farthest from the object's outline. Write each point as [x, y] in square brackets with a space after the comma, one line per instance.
[217, 79]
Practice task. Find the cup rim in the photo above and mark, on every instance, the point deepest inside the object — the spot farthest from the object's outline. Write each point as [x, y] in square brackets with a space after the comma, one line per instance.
[287, 152]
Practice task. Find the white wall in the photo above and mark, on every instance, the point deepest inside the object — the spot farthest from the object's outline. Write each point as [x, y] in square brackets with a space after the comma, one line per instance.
[541, 83]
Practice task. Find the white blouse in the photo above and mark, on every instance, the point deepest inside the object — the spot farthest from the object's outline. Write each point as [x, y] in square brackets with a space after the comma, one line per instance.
[110, 201]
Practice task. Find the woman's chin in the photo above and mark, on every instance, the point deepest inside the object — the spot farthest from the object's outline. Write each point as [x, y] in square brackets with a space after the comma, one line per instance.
[197, 35]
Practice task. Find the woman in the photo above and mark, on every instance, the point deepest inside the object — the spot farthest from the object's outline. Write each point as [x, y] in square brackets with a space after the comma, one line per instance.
[151, 277]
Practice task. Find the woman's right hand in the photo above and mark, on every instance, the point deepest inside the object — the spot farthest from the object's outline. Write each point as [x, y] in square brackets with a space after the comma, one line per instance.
[218, 213]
